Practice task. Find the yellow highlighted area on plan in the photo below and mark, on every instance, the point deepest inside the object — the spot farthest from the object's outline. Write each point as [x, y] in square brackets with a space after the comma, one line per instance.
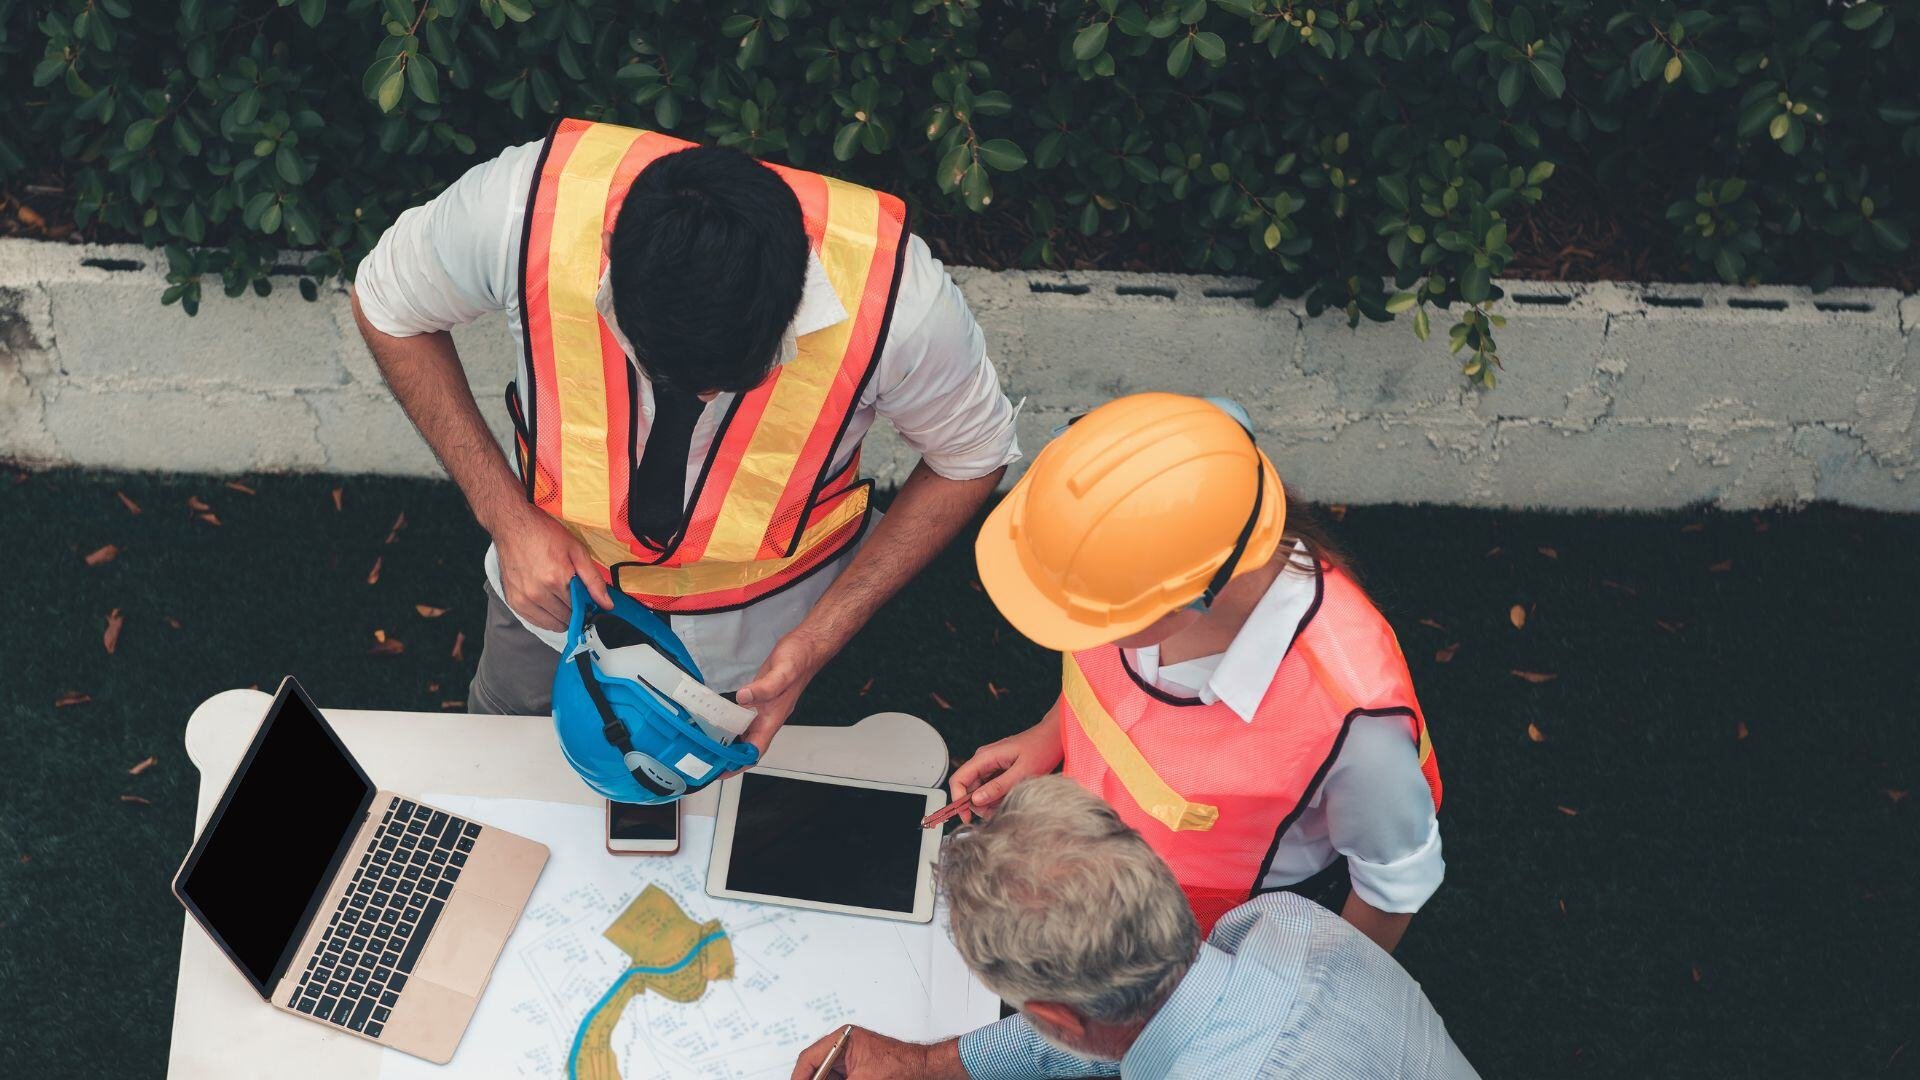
[670, 954]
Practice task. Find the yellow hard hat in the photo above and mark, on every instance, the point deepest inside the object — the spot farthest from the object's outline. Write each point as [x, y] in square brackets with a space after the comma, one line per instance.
[1140, 507]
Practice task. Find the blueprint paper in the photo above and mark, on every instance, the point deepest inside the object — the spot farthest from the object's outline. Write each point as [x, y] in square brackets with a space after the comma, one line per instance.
[623, 968]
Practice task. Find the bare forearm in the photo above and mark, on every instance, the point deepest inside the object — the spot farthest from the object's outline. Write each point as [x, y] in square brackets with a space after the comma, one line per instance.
[1384, 927]
[923, 519]
[426, 378]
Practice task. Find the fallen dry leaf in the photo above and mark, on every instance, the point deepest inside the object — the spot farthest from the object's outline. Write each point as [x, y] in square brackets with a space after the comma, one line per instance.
[433, 688]
[172, 622]
[1548, 552]
[197, 504]
[1694, 527]
[952, 629]
[995, 691]
[132, 507]
[1432, 623]
[940, 701]
[459, 645]
[1720, 567]
[337, 493]
[241, 488]
[136, 799]
[428, 612]
[398, 524]
[454, 703]
[1517, 615]
[1534, 733]
[379, 635]
[1534, 677]
[72, 697]
[1567, 810]
[28, 217]
[1446, 654]
[111, 639]
[1740, 730]
[1896, 794]
[103, 555]
[388, 647]
[373, 575]
[1492, 551]
[211, 519]
[1337, 511]
[1672, 627]
[143, 766]
[1696, 972]
[1628, 589]
[1563, 906]
[866, 686]
[976, 586]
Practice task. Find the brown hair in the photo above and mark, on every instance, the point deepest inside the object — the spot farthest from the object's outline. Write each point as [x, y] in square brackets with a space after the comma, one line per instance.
[1304, 525]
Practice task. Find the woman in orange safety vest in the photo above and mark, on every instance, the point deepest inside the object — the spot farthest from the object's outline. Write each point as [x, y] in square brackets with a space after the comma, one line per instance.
[1225, 685]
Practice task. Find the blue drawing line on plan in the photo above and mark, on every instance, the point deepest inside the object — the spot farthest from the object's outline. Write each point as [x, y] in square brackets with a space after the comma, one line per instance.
[573, 1055]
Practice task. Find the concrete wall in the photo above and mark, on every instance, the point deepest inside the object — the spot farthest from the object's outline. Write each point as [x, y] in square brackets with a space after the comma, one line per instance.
[1617, 396]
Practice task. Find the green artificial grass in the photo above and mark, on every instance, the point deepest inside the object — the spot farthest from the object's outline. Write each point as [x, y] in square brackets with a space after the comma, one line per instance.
[1704, 867]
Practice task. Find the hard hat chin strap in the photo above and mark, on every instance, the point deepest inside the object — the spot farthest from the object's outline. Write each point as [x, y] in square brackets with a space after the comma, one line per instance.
[1225, 574]
[614, 728]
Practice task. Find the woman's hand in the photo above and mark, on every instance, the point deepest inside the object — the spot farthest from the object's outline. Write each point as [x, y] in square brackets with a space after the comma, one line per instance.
[996, 767]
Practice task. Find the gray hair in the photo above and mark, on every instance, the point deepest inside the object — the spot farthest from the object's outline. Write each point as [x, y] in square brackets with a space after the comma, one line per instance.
[1056, 899]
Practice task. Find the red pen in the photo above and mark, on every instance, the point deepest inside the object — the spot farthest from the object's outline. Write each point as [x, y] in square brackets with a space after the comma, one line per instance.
[941, 815]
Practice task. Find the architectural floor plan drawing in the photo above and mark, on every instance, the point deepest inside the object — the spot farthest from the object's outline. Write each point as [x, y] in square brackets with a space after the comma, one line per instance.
[623, 968]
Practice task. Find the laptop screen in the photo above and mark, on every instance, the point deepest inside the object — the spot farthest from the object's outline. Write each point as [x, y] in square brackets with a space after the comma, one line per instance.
[265, 855]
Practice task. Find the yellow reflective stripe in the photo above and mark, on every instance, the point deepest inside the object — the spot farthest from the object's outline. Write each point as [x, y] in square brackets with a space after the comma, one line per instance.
[1426, 745]
[710, 575]
[573, 276]
[852, 234]
[1126, 761]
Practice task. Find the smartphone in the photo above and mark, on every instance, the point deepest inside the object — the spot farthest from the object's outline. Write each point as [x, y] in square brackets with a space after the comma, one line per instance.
[633, 829]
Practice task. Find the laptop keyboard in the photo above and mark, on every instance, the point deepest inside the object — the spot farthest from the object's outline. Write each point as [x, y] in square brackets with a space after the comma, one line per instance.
[376, 932]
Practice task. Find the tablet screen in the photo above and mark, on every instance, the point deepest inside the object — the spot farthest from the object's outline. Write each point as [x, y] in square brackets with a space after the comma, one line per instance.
[826, 842]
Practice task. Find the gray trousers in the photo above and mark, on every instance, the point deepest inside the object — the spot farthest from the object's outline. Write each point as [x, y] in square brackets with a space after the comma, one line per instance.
[515, 673]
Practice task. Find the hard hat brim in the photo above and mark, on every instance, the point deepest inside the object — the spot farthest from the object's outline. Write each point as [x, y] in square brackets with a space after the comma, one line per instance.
[1027, 603]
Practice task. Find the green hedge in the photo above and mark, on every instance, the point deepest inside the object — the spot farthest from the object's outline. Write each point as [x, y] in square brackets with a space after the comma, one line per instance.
[1367, 154]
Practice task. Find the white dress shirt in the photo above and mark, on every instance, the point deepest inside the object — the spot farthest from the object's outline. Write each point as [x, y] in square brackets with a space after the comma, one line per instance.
[456, 258]
[1374, 806]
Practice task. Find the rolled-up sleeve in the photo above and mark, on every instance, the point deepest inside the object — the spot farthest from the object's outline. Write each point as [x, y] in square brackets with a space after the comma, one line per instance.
[1380, 816]
[452, 259]
[1012, 1050]
[935, 381]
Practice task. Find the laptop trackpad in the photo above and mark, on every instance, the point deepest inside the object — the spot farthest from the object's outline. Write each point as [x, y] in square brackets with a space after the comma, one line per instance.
[466, 941]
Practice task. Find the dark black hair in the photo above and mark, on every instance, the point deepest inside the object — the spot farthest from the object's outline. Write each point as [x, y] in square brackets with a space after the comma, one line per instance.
[707, 263]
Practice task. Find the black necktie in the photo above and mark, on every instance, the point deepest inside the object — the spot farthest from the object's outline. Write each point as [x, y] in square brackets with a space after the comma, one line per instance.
[657, 498]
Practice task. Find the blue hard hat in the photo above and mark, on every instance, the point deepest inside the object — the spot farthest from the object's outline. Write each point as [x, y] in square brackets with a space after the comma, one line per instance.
[634, 717]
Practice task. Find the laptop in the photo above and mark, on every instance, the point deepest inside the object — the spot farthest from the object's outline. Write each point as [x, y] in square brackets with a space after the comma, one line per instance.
[357, 908]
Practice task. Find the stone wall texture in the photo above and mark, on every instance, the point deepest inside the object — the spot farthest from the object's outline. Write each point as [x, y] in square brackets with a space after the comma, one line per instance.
[1614, 396]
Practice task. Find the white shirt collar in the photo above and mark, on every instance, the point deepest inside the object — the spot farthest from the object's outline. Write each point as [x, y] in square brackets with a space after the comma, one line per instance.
[820, 307]
[1240, 677]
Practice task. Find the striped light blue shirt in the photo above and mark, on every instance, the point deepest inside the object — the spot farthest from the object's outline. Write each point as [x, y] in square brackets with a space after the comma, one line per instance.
[1283, 987]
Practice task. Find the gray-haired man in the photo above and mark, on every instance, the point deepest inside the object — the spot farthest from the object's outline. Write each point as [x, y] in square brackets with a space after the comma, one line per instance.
[1064, 911]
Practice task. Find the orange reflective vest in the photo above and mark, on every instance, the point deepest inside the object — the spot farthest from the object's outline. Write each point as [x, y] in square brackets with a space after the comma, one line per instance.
[1211, 792]
[766, 511]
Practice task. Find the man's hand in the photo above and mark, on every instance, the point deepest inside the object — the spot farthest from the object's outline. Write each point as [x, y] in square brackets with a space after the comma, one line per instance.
[997, 766]
[869, 1056]
[538, 558]
[776, 687]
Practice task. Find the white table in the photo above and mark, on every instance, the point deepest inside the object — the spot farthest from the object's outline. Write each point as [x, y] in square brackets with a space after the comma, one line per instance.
[221, 1028]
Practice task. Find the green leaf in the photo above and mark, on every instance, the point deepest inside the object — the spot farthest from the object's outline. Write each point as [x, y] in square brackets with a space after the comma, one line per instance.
[1778, 127]
[1180, 57]
[1393, 191]
[1481, 12]
[517, 10]
[1548, 77]
[1421, 327]
[1401, 301]
[846, 141]
[1089, 42]
[1509, 87]
[140, 133]
[270, 218]
[1647, 58]
[388, 94]
[1698, 70]
[311, 12]
[1002, 154]
[1892, 235]
[975, 187]
[1271, 236]
[1476, 284]
[1728, 264]
[423, 79]
[1209, 46]
[1860, 16]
